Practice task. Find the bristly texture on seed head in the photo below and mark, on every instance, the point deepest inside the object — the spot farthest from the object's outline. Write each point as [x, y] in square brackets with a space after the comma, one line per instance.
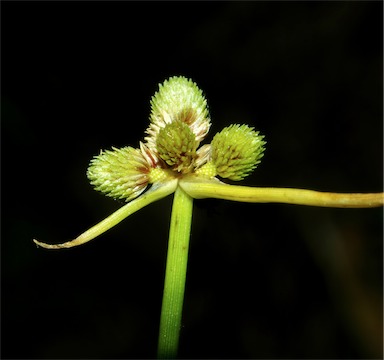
[123, 173]
[178, 99]
[179, 122]
[176, 145]
[236, 151]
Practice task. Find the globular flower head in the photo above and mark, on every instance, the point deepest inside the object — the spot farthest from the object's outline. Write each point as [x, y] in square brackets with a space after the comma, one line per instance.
[124, 173]
[234, 153]
[176, 144]
[178, 100]
[179, 121]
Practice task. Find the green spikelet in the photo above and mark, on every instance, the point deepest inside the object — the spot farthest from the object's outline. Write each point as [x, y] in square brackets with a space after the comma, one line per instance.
[178, 99]
[236, 151]
[176, 145]
[119, 173]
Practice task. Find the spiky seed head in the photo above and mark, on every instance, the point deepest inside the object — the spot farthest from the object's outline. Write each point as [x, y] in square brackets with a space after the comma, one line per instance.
[123, 173]
[178, 99]
[176, 144]
[236, 151]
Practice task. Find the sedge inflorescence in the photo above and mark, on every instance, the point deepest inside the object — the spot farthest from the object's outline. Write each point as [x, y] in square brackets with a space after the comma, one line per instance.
[179, 121]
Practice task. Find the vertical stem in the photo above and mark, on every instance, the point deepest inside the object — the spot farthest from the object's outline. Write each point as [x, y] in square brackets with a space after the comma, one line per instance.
[175, 275]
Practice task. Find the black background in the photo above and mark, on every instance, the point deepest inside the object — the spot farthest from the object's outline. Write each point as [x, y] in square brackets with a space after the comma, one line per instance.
[264, 280]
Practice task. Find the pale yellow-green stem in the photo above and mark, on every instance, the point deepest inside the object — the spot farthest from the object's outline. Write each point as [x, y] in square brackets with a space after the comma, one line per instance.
[200, 189]
[156, 192]
[175, 275]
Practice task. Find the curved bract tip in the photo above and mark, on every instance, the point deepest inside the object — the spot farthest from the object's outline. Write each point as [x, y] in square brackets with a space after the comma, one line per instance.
[67, 244]
[156, 192]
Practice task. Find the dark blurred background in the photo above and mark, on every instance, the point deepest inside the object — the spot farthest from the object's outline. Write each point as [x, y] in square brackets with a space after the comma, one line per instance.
[264, 280]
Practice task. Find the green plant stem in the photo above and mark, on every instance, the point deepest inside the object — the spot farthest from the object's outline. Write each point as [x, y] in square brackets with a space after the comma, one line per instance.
[175, 275]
